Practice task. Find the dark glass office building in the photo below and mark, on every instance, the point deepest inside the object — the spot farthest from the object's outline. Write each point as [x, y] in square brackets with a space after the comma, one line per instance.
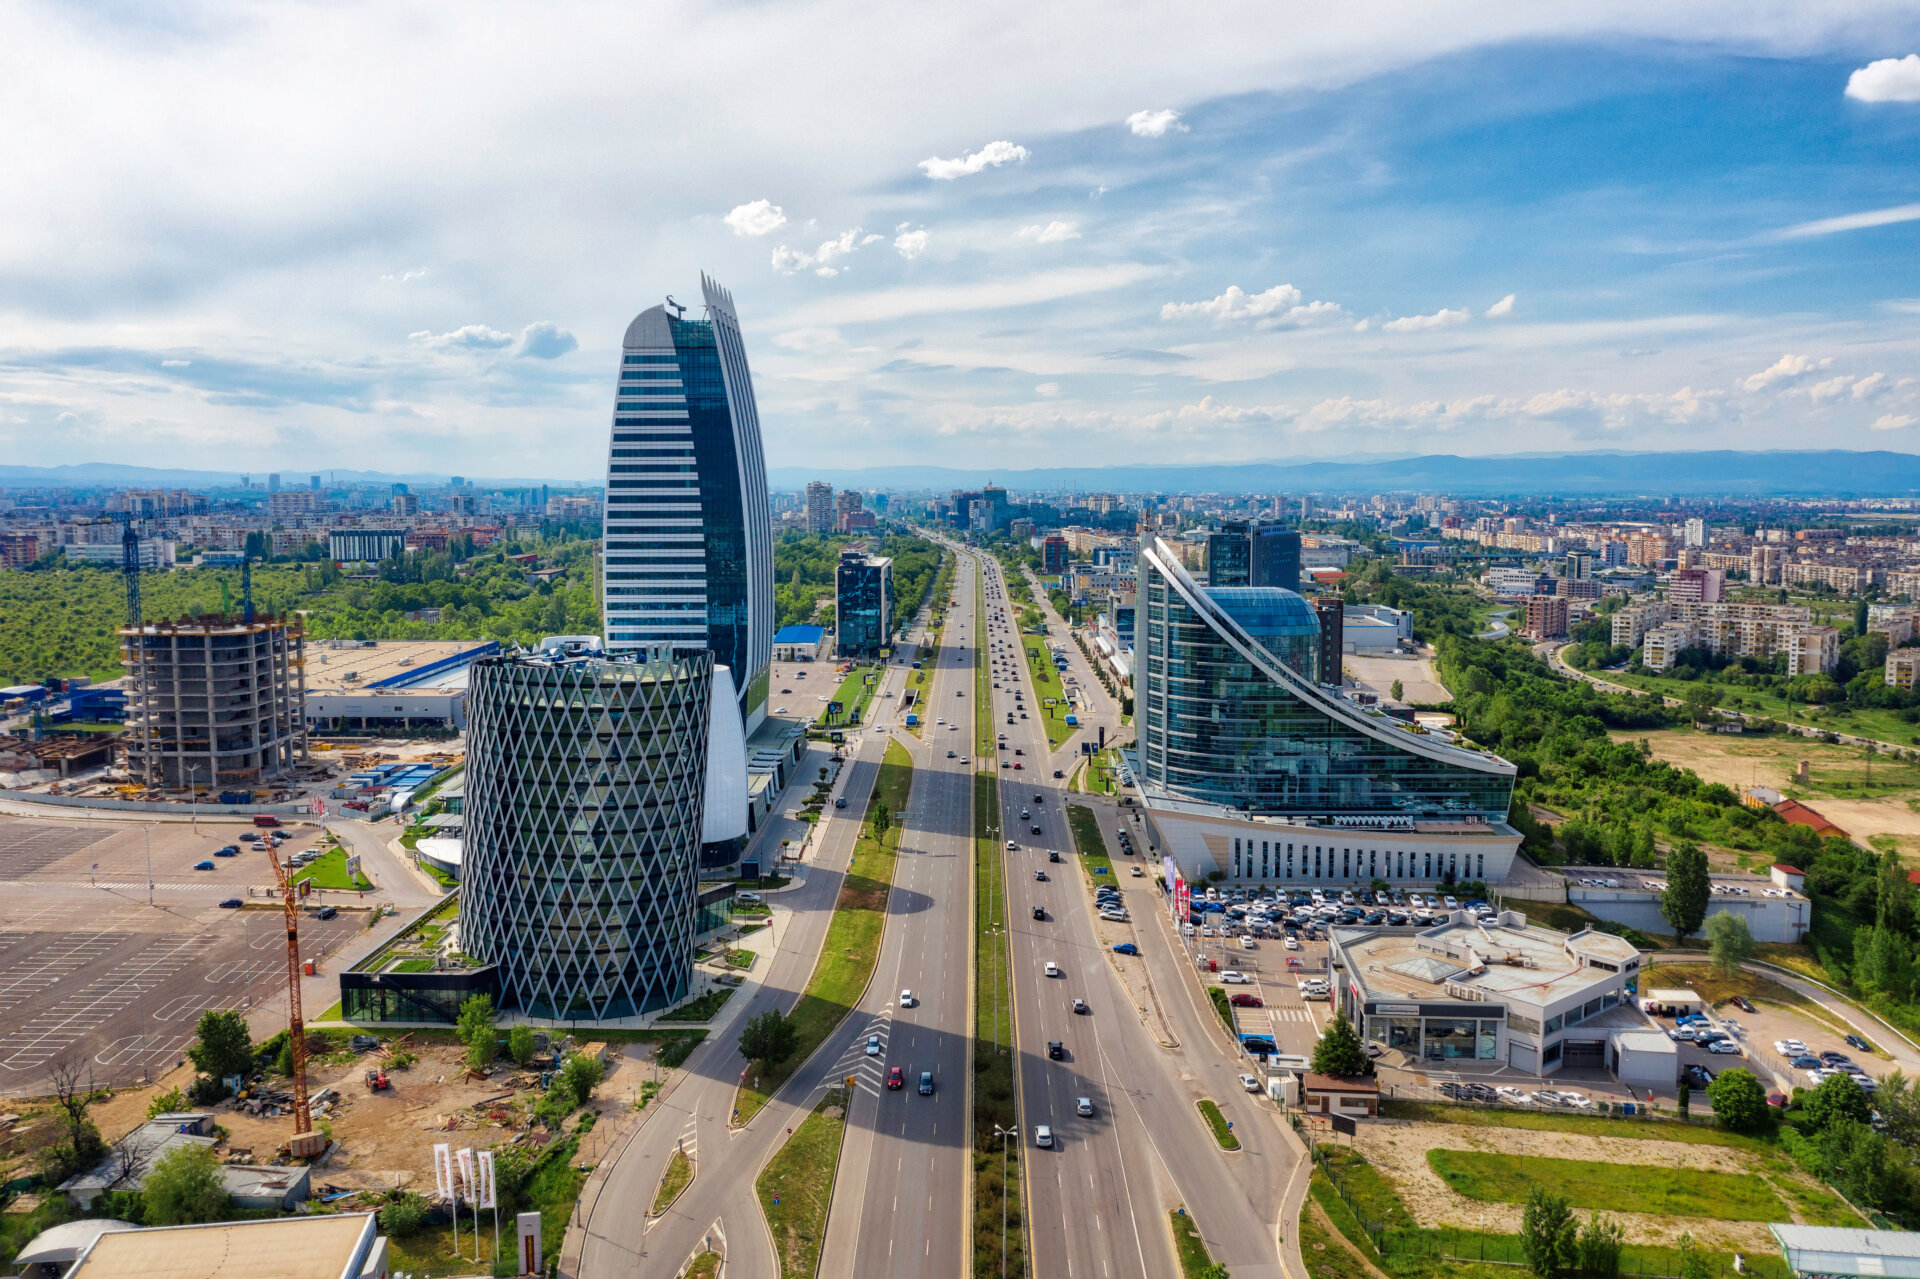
[1253, 553]
[1229, 715]
[863, 603]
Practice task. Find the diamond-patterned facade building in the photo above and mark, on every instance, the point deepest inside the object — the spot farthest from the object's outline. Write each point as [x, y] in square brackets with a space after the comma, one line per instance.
[585, 793]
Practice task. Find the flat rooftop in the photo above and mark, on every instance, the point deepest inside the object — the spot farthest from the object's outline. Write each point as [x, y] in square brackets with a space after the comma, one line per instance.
[283, 1247]
[1500, 961]
[328, 667]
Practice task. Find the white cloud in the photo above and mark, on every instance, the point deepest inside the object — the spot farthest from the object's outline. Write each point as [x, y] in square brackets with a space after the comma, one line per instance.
[1869, 386]
[1887, 80]
[1894, 421]
[986, 295]
[911, 244]
[1853, 222]
[821, 260]
[994, 154]
[1051, 233]
[1831, 389]
[1441, 319]
[1785, 371]
[1155, 124]
[404, 277]
[1503, 307]
[758, 217]
[1048, 389]
[544, 340]
[473, 337]
[175, 364]
[1277, 307]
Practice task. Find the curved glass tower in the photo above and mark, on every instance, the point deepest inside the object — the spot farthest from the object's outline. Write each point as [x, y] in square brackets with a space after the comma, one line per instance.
[1230, 715]
[688, 532]
[585, 798]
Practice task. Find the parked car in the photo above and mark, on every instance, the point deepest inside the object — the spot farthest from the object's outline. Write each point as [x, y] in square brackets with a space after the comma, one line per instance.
[1697, 1076]
[1745, 1005]
[326, 912]
[1512, 1096]
[231, 850]
[1233, 978]
[1246, 999]
[1126, 948]
[207, 865]
[1249, 1083]
[1855, 1041]
[232, 903]
[1723, 1046]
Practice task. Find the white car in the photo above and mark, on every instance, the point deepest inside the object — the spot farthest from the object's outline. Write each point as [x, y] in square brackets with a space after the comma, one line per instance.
[1512, 1096]
[1083, 1107]
[1043, 1137]
[906, 999]
[1723, 1046]
[1052, 969]
[1249, 1083]
[1246, 942]
[1293, 943]
[873, 1045]
[1789, 1048]
[1233, 978]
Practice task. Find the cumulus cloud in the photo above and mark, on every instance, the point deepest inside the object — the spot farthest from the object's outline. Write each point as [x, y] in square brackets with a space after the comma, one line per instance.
[1441, 319]
[1277, 307]
[1503, 307]
[543, 340]
[1894, 421]
[911, 244]
[1048, 389]
[1155, 124]
[1051, 233]
[821, 260]
[1785, 371]
[993, 154]
[758, 217]
[472, 337]
[1887, 80]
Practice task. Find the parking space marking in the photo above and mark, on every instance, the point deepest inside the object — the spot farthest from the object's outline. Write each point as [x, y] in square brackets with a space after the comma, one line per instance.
[66, 955]
[39, 1039]
[26, 847]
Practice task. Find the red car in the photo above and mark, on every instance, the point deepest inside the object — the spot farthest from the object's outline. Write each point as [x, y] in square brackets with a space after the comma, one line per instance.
[1244, 1000]
[895, 1080]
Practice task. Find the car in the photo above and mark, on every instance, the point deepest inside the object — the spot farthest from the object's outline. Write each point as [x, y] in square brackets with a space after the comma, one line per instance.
[746, 897]
[1579, 1101]
[1055, 1050]
[1083, 1107]
[1723, 1046]
[1744, 1004]
[873, 1045]
[1234, 978]
[1805, 1061]
[1249, 1083]
[1043, 1136]
[949, 754]
[1040, 875]
[1040, 913]
[895, 1080]
[1012, 847]
[926, 1083]
[232, 903]
[906, 999]
[1126, 948]
[1017, 764]
[231, 850]
[1136, 872]
[1058, 773]
[1697, 1076]
[207, 865]
[1790, 1047]
[1245, 999]
[1052, 969]
[1855, 1041]
[326, 912]
[1512, 1096]
[1835, 1058]
[1545, 1097]
[1052, 856]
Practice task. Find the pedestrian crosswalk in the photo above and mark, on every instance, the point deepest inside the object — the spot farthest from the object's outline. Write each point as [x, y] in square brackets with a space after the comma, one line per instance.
[1288, 1013]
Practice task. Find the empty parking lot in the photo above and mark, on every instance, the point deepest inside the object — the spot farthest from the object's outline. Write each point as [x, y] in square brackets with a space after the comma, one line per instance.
[91, 972]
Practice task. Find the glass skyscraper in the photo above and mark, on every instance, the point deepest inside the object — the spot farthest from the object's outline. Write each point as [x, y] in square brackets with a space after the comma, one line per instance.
[689, 536]
[863, 602]
[1229, 714]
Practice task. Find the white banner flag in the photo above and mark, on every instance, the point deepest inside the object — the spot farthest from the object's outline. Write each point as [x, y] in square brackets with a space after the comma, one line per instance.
[465, 1156]
[486, 1199]
[443, 1170]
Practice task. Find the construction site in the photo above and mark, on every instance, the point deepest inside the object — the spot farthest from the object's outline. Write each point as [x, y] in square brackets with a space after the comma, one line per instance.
[217, 700]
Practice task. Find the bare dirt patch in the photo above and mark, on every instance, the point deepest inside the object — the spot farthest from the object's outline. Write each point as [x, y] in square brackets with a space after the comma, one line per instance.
[1400, 1152]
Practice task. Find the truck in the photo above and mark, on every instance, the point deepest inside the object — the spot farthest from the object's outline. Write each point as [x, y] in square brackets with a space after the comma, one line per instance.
[265, 819]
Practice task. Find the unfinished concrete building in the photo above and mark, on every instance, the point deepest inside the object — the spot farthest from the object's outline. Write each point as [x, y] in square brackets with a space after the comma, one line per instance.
[215, 701]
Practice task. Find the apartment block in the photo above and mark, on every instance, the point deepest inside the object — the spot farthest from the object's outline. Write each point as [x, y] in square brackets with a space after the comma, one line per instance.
[1546, 617]
[1697, 585]
[1812, 650]
[1903, 665]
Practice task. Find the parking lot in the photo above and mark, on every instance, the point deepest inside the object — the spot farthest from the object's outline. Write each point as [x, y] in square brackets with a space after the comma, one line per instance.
[90, 972]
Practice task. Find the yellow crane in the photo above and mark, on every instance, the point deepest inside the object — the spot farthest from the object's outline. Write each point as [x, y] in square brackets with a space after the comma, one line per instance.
[306, 1143]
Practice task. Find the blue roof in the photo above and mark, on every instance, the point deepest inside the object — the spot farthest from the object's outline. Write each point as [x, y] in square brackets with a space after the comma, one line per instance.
[799, 634]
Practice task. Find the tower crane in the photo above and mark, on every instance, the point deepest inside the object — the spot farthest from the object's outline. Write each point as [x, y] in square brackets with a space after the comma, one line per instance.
[306, 1142]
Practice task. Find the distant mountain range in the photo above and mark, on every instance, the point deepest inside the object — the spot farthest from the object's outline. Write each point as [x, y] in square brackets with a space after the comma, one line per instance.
[1798, 473]
[1824, 473]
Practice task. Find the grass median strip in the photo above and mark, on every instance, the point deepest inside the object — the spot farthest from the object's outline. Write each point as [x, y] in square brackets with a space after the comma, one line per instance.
[678, 1177]
[1670, 1192]
[1087, 841]
[1195, 1261]
[1222, 1130]
[852, 946]
[999, 1226]
[797, 1186]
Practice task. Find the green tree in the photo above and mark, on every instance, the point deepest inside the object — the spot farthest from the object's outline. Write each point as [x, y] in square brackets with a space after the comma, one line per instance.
[477, 1030]
[1397, 691]
[1549, 1235]
[1893, 907]
[1684, 904]
[183, 1188]
[1855, 1159]
[1339, 1051]
[1729, 941]
[580, 1076]
[520, 1045]
[1837, 1098]
[222, 1044]
[1698, 702]
[768, 1037]
[1883, 960]
[882, 819]
[1600, 1246]
[167, 1103]
[1694, 1261]
[1739, 1101]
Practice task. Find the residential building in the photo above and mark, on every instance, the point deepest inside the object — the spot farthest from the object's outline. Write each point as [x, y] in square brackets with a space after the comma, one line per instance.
[863, 603]
[582, 825]
[1763, 564]
[292, 504]
[1546, 617]
[1249, 768]
[1503, 992]
[1697, 585]
[1329, 612]
[17, 550]
[1903, 665]
[1695, 534]
[819, 516]
[1844, 579]
[365, 545]
[153, 552]
[1812, 650]
[1661, 647]
[846, 503]
[406, 504]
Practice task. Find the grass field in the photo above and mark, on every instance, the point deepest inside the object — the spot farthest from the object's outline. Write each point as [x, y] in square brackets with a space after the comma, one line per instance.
[1585, 1125]
[1324, 1255]
[703, 1008]
[1047, 688]
[1770, 759]
[1671, 1192]
[852, 946]
[1883, 725]
[1217, 1122]
[854, 693]
[329, 870]
[797, 1186]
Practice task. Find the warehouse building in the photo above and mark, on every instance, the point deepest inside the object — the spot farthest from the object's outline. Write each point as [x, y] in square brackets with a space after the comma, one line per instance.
[391, 688]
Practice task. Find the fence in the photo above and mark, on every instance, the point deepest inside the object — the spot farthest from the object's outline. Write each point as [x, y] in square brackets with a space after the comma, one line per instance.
[172, 809]
[1451, 1094]
[1406, 1241]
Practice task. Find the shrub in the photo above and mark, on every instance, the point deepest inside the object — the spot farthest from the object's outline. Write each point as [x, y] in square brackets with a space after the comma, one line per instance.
[183, 1188]
[166, 1103]
[1549, 1236]
[1739, 1102]
[520, 1044]
[404, 1213]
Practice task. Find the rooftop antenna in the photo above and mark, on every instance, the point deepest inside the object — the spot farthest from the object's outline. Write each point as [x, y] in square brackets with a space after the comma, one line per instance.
[679, 312]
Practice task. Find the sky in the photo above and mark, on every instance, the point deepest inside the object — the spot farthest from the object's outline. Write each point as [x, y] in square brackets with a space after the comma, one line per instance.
[408, 237]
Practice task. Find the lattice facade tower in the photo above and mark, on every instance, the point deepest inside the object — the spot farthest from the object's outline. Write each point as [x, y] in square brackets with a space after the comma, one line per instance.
[585, 794]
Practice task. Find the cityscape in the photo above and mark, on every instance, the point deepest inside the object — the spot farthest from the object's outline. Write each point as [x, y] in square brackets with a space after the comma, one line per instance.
[891, 763]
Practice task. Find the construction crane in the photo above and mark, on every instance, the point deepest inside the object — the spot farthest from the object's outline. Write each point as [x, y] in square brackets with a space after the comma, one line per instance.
[306, 1143]
[130, 566]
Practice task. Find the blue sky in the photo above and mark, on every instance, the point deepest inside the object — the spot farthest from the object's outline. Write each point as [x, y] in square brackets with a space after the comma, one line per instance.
[393, 238]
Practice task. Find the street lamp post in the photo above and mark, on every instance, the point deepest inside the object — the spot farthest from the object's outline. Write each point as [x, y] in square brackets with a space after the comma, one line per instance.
[147, 831]
[193, 796]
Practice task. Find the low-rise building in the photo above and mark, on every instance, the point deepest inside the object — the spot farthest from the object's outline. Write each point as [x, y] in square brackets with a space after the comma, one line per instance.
[1355, 1096]
[330, 1246]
